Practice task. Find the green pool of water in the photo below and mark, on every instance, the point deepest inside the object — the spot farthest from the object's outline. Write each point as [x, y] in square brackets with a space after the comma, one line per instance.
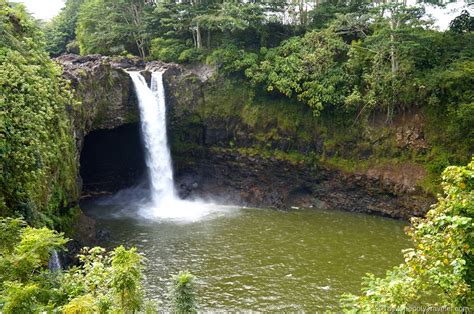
[262, 259]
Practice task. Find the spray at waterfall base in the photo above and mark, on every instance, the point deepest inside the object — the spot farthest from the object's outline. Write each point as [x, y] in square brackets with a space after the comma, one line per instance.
[158, 199]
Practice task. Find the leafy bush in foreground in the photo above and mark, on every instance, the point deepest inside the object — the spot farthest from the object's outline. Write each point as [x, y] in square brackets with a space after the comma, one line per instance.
[439, 271]
[104, 281]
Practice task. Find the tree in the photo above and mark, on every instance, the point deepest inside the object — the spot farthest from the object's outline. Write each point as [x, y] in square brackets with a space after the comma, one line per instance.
[308, 67]
[96, 33]
[385, 59]
[325, 12]
[61, 31]
[112, 27]
[462, 23]
[126, 278]
[228, 19]
[183, 293]
[131, 11]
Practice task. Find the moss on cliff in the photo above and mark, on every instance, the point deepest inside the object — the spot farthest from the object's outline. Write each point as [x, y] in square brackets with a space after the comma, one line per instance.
[230, 114]
[105, 95]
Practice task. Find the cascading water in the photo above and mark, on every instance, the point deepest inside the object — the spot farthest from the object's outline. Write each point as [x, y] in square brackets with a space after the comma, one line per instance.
[54, 263]
[164, 203]
[153, 122]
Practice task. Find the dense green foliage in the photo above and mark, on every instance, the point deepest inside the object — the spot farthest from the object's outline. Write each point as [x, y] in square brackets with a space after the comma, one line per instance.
[463, 23]
[439, 271]
[309, 67]
[61, 31]
[103, 282]
[38, 165]
[354, 56]
[344, 61]
[347, 60]
[111, 27]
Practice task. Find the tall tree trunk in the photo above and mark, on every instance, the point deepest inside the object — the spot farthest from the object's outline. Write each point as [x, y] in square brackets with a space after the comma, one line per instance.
[393, 58]
[394, 65]
[141, 48]
[194, 37]
[208, 38]
[135, 10]
[301, 11]
[198, 36]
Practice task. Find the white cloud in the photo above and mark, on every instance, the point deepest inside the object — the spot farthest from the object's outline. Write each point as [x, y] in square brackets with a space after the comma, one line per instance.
[443, 16]
[43, 9]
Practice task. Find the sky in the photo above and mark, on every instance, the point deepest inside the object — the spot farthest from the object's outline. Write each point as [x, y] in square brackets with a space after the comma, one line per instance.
[443, 16]
[46, 9]
[43, 9]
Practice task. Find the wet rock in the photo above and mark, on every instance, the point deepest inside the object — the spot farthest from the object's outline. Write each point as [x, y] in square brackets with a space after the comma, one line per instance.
[268, 182]
[103, 236]
[85, 230]
[69, 257]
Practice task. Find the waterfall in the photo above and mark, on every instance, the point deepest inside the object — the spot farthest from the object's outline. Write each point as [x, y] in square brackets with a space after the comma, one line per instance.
[54, 263]
[164, 204]
[152, 107]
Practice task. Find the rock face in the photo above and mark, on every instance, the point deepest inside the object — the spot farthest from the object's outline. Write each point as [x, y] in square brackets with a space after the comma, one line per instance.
[213, 145]
[108, 103]
[105, 91]
[215, 126]
[233, 178]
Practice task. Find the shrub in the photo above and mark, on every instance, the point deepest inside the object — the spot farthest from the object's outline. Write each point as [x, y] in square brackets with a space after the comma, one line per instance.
[231, 59]
[38, 167]
[104, 281]
[439, 269]
[167, 50]
[183, 293]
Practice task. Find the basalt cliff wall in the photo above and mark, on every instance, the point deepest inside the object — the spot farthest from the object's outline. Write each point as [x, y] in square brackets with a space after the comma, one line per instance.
[235, 146]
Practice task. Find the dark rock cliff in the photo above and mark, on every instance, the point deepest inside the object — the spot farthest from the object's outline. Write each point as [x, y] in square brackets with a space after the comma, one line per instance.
[271, 182]
[104, 90]
[231, 146]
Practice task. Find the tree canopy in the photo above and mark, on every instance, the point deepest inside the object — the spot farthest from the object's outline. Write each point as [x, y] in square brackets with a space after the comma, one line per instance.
[351, 55]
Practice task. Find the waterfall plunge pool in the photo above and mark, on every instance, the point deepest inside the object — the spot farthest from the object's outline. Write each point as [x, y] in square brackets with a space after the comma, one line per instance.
[260, 259]
[244, 259]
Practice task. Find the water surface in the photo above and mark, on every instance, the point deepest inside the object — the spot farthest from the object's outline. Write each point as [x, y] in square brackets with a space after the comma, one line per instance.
[262, 259]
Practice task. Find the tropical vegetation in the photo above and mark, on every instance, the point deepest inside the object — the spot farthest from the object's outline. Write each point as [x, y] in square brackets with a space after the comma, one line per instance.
[439, 271]
[101, 282]
[346, 62]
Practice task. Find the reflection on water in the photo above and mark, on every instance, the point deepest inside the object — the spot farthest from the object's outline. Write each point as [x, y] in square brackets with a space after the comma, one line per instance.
[259, 259]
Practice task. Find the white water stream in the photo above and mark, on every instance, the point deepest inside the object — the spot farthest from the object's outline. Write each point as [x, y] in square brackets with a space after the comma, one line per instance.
[164, 202]
[54, 263]
[153, 122]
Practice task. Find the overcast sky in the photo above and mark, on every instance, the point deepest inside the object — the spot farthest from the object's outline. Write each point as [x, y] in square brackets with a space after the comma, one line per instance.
[43, 9]
[46, 9]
